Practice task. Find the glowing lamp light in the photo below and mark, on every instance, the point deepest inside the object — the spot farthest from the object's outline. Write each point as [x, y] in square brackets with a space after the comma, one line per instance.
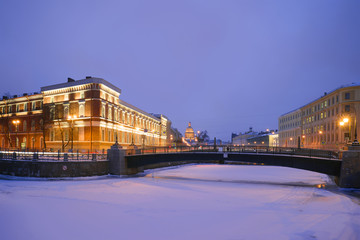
[291, 139]
[303, 136]
[342, 123]
[320, 132]
[345, 120]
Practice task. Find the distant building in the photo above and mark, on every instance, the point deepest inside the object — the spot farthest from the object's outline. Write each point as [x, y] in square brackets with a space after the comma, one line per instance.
[327, 122]
[86, 114]
[241, 138]
[268, 138]
[189, 133]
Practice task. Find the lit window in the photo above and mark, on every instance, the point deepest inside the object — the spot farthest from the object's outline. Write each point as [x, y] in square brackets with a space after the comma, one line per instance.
[81, 110]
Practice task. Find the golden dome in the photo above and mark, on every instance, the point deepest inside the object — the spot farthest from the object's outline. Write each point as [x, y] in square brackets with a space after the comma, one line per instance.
[189, 133]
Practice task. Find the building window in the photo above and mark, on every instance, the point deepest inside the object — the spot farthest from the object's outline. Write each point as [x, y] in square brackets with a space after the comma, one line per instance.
[110, 113]
[52, 114]
[24, 126]
[82, 95]
[66, 112]
[24, 141]
[81, 110]
[347, 96]
[103, 135]
[17, 108]
[347, 108]
[103, 111]
[52, 99]
[66, 135]
[25, 107]
[52, 135]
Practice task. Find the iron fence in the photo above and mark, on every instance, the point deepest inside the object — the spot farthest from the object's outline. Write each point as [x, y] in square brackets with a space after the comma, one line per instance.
[239, 149]
[52, 156]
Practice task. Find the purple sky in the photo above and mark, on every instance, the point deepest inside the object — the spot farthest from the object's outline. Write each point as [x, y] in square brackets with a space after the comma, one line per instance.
[223, 65]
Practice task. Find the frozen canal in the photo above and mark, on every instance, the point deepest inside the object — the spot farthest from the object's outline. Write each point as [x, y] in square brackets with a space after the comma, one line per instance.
[188, 202]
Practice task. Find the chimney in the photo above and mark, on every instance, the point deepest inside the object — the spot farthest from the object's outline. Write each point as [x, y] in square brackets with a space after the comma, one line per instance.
[71, 80]
[87, 77]
[25, 94]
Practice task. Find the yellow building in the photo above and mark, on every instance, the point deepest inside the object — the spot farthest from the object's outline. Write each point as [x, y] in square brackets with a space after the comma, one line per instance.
[325, 123]
[86, 114]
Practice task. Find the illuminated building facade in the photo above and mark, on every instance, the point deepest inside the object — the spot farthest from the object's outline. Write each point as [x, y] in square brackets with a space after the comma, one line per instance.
[189, 133]
[326, 123]
[86, 114]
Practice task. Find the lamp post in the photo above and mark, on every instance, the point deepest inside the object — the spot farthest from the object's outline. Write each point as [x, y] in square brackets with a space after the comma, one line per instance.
[16, 123]
[344, 121]
[72, 118]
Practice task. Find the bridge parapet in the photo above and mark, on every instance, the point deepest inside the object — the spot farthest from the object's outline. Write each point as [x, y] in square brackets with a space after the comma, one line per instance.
[350, 168]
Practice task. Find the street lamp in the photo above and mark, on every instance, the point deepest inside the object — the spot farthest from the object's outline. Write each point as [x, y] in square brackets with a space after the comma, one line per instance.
[16, 123]
[72, 118]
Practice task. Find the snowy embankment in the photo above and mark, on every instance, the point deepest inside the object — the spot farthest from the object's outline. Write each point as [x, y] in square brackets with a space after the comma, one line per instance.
[188, 202]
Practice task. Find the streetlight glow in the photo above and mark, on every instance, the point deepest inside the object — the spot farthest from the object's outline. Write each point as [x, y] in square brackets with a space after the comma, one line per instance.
[345, 120]
[341, 123]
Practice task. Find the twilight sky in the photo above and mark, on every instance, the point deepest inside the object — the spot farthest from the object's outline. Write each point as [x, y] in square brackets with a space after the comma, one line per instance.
[223, 65]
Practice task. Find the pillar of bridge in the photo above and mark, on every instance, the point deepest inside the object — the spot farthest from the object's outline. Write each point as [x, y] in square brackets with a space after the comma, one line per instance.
[350, 168]
[117, 161]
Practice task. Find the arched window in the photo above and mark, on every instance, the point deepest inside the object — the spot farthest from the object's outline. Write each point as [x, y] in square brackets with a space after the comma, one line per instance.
[66, 112]
[81, 110]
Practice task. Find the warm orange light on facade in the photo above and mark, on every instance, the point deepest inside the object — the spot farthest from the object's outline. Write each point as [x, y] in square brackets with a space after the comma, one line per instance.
[320, 132]
[345, 120]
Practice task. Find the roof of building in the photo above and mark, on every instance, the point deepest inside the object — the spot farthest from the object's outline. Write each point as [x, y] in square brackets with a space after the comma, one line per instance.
[326, 93]
[137, 109]
[81, 82]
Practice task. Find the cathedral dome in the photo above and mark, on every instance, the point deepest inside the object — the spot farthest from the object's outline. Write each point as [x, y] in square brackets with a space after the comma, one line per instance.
[189, 133]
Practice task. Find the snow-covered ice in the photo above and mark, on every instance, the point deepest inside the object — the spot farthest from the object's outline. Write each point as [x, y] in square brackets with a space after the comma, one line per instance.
[187, 202]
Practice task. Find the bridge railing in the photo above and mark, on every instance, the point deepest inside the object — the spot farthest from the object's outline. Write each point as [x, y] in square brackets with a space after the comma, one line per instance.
[52, 156]
[240, 149]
